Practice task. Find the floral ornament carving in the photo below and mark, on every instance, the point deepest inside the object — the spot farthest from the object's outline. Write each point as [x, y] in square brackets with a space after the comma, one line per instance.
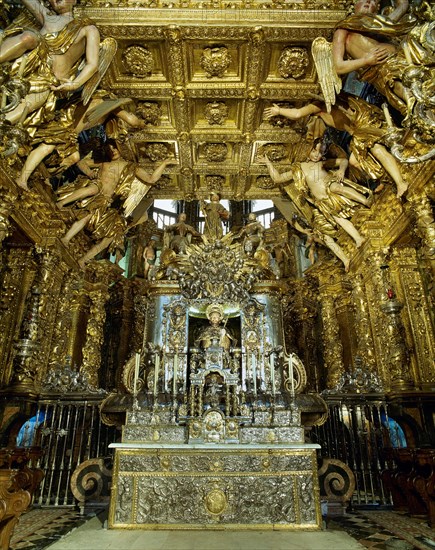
[215, 61]
[138, 61]
[216, 112]
[215, 152]
[214, 183]
[265, 182]
[150, 112]
[293, 62]
[156, 151]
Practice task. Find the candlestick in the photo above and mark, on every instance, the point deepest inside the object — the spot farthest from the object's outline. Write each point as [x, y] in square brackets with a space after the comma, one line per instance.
[290, 368]
[272, 372]
[136, 373]
[254, 372]
[22, 66]
[174, 382]
[156, 372]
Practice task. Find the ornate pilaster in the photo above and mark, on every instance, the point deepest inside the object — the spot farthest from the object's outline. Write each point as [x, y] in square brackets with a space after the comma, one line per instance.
[375, 292]
[330, 285]
[7, 197]
[49, 282]
[15, 287]
[416, 315]
[67, 322]
[98, 295]
[365, 344]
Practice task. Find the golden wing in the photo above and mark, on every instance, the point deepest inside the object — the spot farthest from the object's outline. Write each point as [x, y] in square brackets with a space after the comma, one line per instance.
[329, 80]
[108, 49]
[137, 193]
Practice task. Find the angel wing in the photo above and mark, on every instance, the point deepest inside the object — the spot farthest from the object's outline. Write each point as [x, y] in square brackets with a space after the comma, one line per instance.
[329, 80]
[108, 49]
[137, 193]
[100, 111]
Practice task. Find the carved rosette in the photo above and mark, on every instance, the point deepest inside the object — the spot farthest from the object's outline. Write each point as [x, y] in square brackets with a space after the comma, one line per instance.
[215, 152]
[216, 112]
[293, 62]
[156, 151]
[150, 112]
[215, 61]
[274, 151]
[138, 61]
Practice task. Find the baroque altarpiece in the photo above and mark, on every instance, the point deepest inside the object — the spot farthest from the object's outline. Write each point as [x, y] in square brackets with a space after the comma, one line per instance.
[213, 368]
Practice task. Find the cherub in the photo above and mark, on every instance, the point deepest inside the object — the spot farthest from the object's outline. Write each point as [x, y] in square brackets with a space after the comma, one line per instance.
[330, 194]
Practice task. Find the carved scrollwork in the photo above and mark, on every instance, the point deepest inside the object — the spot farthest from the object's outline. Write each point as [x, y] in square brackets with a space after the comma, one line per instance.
[91, 480]
[215, 184]
[265, 182]
[156, 151]
[337, 480]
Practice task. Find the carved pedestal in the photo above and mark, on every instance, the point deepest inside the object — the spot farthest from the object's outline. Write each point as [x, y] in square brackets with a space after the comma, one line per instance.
[215, 486]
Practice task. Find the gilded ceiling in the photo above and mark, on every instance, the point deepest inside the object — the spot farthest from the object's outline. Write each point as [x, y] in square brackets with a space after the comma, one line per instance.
[201, 76]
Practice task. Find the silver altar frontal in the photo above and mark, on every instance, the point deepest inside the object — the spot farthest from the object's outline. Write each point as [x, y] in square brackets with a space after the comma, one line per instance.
[215, 434]
[222, 487]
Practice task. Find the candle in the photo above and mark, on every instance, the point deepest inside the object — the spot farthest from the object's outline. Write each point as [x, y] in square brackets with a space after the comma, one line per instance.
[272, 372]
[136, 373]
[254, 373]
[174, 390]
[156, 372]
[22, 66]
[290, 369]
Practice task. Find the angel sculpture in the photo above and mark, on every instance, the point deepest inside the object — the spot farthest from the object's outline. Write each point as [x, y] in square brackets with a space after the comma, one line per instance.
[368, 128]
[334, 198]
[65, 54]
[356, 46]
[61, 133]
[178, 236]
[116, 179]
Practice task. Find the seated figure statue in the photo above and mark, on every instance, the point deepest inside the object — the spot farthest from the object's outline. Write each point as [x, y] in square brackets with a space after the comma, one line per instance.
[179, 235]
[215, 334]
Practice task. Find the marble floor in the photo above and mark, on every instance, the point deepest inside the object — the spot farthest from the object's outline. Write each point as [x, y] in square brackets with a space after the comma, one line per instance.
[66, 529]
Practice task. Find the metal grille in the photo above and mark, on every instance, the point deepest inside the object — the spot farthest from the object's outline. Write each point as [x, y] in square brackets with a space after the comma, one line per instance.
[357, 433]
[69, 433]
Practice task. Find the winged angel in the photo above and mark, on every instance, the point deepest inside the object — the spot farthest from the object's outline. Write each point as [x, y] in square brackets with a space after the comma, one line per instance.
[366, 42]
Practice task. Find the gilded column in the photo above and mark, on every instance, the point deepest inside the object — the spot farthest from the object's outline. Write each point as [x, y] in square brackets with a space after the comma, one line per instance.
[49, 282]
[376, 293]
[98, 296]
[332, 346]
[16, 284]
[416, 315]
[365, 344]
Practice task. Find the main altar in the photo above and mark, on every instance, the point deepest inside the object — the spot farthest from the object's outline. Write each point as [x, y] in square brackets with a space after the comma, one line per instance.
[215, 434]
